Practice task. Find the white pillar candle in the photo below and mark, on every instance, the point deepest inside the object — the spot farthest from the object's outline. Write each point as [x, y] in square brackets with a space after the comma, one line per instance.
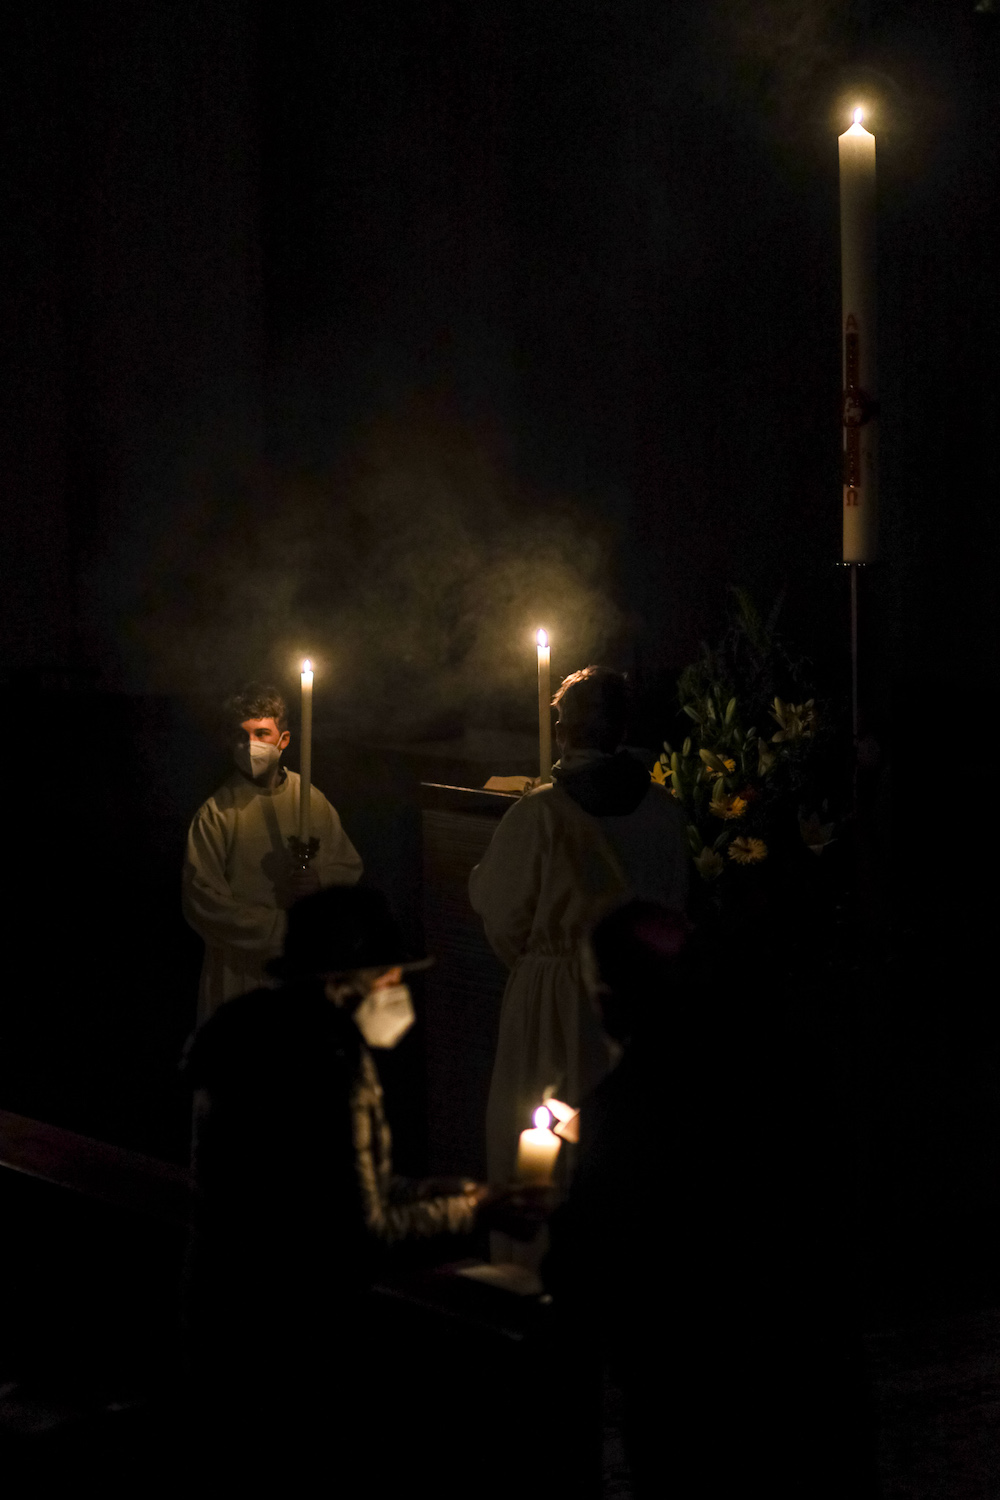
[857, 266]
[544, 709]
[537, 1150]
[305, 754]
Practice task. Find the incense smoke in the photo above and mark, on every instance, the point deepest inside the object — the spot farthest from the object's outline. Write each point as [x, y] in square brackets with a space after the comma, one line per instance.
[415, 572]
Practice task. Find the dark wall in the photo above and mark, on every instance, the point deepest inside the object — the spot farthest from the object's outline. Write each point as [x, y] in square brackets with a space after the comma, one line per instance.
[130, 308]
[383, 333]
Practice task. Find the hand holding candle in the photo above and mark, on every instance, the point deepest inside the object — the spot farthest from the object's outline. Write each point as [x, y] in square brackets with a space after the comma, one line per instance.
[537, 1150]
[566, 1122]
[305, 757]
[544, 709]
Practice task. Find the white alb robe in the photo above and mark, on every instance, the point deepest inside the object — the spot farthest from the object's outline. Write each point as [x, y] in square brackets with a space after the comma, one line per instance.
[236, 878]
[551, 872]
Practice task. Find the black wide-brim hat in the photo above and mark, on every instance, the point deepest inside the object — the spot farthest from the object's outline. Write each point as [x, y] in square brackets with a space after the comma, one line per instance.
[342, 928]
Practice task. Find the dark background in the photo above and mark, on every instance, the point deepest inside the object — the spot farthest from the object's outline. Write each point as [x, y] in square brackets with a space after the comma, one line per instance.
[382, 331]
[386, 333]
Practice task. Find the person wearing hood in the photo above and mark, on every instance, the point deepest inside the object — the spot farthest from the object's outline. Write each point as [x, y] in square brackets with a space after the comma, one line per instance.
[239, 875]
[603, 833]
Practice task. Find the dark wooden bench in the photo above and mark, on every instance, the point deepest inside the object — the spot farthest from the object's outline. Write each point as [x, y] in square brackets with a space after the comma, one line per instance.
[96, 1170]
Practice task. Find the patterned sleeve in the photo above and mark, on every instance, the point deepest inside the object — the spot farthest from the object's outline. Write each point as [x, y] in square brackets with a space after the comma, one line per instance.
[388, 1218]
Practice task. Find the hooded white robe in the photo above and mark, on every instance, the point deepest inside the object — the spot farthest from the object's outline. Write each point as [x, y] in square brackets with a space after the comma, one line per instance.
[236, 878]
[551, 872]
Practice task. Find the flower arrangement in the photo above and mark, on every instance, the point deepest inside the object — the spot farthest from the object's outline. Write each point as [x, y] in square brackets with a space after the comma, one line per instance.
[750, 774]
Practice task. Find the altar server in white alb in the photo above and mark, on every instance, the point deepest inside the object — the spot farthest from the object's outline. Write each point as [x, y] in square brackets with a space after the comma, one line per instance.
[563, 857]
[239, 874]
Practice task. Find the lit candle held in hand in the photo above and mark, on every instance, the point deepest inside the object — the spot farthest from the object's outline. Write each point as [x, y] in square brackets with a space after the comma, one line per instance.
[544, 709]
[305, 755]
[537, 1150]
[857, 332]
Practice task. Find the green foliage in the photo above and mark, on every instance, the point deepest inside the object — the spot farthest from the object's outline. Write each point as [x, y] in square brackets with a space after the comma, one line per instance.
[750, 774]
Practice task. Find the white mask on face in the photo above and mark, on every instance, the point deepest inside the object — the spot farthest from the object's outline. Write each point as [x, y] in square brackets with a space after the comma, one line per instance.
[385, 1015]
[255, 757]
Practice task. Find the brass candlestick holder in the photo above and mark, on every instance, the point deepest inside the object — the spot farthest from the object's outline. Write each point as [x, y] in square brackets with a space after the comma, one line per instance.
[303, 852]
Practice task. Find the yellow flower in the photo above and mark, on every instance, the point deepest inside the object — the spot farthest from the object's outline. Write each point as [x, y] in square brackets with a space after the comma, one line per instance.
[795, 721]
[747, 851]
[660, 773]
[712, 772]
[709, 863]
[729, 806]
[815, 835]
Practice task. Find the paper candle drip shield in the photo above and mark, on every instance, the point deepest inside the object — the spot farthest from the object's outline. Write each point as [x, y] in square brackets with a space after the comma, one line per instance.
[537, 1150]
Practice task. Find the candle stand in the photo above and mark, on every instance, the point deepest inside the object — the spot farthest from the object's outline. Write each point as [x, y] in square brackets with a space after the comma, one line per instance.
[855, 708]
[855, 726]
[303, 851]
[855, 691]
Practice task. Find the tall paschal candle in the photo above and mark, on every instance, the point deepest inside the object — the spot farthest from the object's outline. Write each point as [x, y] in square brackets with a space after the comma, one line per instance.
[857, 269]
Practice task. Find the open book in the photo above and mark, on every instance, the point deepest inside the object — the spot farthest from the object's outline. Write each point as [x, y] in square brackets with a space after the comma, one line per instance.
[516, 784]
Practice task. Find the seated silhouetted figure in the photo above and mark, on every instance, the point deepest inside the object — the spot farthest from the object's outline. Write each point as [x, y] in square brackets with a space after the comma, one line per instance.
[296, 1201]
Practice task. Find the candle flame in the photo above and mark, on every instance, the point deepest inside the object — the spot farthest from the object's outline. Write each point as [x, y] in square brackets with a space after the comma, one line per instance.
[542, 1119]
[542, 638]
[307, 665]
[857, 117]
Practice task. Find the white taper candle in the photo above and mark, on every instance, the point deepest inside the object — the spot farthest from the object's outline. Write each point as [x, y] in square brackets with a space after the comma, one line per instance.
[544, 709]
[305, 754]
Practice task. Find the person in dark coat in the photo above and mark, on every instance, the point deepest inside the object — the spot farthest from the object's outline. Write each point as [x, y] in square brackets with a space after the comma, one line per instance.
[697, 1264]
[296, 1204]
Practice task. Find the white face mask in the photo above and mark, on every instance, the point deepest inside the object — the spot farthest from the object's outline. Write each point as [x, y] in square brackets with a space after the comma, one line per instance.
[255, 757]
[385, 1015]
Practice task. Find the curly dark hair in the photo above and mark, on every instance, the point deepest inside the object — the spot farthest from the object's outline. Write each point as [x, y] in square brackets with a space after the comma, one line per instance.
[593, 707]
[258, 700]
